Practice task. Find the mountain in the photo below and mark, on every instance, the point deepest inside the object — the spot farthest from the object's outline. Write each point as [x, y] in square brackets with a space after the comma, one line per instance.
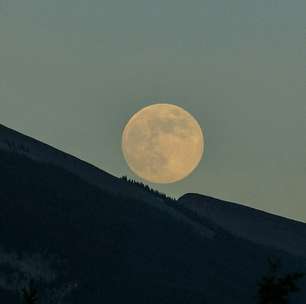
[17, 143]
[86, 236]
[248, 223]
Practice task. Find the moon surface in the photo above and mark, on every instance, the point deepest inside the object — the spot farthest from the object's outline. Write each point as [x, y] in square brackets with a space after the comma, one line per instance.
[162, 143]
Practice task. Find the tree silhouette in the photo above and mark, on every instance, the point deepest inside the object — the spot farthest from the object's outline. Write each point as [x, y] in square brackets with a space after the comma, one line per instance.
[275, 288]
[30, 294]
[148, 189]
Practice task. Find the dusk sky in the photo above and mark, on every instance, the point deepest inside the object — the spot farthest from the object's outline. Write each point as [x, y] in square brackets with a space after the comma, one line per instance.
[73, 72]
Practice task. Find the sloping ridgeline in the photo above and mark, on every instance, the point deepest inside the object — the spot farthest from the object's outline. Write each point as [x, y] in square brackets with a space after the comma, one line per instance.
[113, 248]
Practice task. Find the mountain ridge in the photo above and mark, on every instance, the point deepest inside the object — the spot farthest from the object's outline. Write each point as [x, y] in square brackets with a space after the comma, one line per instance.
[250, 223]
[119, 246]
[16, 142]
[194, 195]
[208, 207]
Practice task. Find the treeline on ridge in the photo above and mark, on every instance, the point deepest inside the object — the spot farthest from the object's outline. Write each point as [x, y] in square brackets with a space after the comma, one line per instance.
[148, 189]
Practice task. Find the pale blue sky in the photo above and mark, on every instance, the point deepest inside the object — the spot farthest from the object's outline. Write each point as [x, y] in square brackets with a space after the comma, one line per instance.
[72, 73]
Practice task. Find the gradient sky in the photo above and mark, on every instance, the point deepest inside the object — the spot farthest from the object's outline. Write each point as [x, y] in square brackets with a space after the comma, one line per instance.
[72, 72]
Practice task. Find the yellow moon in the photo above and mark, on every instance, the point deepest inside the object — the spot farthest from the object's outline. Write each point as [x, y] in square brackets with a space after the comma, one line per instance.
[162, 143]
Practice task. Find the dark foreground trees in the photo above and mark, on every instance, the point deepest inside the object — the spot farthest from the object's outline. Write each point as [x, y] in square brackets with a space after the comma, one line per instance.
[33, 278]
[30, 294]
[274, 287]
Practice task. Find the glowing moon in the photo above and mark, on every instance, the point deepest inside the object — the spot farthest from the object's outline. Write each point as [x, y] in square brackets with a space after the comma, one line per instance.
[162, 143]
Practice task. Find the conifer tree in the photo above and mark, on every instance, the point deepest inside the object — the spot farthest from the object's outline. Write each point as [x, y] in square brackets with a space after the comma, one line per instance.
[30, 294]
[275, 288]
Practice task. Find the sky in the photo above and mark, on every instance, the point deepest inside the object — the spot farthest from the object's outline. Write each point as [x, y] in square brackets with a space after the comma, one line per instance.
[73, 72]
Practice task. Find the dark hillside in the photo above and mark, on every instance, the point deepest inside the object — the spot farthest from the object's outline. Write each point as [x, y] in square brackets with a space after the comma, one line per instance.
[118, 249]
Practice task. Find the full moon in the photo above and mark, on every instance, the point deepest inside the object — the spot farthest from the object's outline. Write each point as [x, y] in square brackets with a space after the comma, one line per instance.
[162, 143]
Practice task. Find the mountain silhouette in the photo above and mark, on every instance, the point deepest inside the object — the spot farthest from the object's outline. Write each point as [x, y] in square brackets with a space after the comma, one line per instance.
[76, 229]
[255, 225]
